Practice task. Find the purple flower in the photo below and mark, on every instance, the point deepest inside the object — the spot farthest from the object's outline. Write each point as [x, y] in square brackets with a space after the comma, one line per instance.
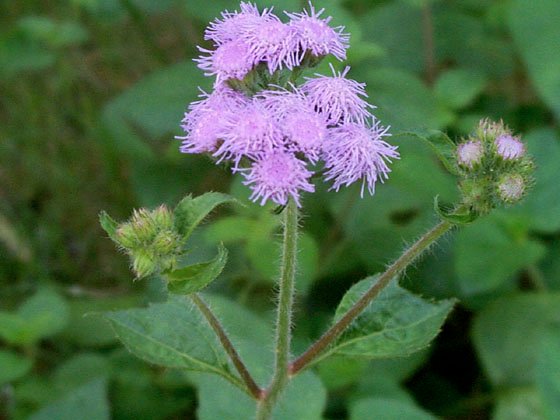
[314, 34]
[204, 123]
[231, 60]
[338, 98]
[276, 176]
[354, 151]
[470, 153]
[250, 131]
[271, 41]
[232, 24]
[511, 187]
[509, 147]
[304, 129]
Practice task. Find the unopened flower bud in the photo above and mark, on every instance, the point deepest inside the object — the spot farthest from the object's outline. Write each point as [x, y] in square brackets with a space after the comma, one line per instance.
[144, 226]
[511, 187]
[509, 147]
[166, 242]
[143, 264]
[162, 217]
[470, 153]
[126, 236]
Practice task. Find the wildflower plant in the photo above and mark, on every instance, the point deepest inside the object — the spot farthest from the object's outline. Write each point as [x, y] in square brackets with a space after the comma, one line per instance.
[284, 133]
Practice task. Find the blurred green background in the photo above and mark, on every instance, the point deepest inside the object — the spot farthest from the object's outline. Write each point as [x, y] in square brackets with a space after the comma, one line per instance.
[91, 95]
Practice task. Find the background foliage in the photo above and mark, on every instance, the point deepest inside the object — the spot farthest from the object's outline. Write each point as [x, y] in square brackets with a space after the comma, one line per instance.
[91, 95]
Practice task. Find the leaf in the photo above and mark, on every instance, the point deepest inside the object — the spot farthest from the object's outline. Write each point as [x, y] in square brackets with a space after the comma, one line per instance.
[540, 49]
[396, 323]
[228, 229]
[108, 224]
[387, 409]
[459, 87]
[488, 253]
[90, 400]
[547, 371]
[13, 366]
[171, 334]
[80, 369]
[304, 398]
[42, 315]
[190, 212]
[507, 333]
[196, 277]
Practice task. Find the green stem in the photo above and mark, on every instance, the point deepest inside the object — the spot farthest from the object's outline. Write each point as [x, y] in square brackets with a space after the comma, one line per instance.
[394, 269]
[250, 383]
[284, 314]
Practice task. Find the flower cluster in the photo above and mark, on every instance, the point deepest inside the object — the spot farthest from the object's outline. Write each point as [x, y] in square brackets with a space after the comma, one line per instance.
[151, 241]
[494, 165]
[275, 133]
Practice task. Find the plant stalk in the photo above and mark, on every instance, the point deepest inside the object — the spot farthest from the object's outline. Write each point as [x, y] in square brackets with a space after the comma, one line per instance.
[284, 314]
[250, 383]
[394, 269]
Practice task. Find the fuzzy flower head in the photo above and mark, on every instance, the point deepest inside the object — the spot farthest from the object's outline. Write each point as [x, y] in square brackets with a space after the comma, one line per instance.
[339, 99]
[249, 132]
[314, 34]
[231, 60]
[205, 121]
[470, 153]
[233, 24]
[271, 42]
[355, 152]
[277, 176]
[511, 187]
[509, 147]
[304, 130]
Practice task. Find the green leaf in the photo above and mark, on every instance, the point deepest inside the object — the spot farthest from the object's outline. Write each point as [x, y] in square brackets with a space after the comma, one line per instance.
[88, 400]
[229, 229]
[108, 224]
[507, 334]
[488, 253]
[42, 315]
[171, 334]
[196, 277]
[387, 409]
[540, 48]
[13, 366]
[547, 371]
[459, 87]
[396, 323]
[190, 212]
[441, 144]
[304, 398]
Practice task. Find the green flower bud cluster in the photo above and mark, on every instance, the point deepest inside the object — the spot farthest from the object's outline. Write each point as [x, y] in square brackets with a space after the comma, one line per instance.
[151, 241]
[494, 166]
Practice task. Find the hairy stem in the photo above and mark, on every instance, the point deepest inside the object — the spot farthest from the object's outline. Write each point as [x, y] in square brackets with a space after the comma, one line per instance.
[284, 314]
[252, 386]
[394, 269]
